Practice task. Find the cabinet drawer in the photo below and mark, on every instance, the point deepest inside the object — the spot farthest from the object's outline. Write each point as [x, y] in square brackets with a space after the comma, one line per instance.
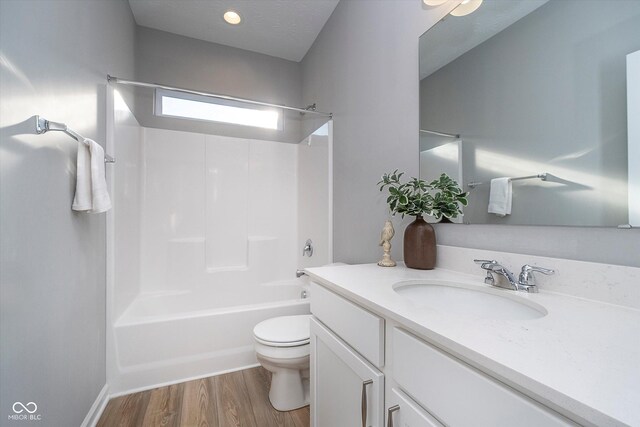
[408, 413]
[459, 395]
[363, 330]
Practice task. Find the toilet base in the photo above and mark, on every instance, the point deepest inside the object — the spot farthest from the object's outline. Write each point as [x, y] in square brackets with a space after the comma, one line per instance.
[289, 385]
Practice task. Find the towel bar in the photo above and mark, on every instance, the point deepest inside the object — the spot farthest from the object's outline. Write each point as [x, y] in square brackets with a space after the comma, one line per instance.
[44, 126]
[542, 176]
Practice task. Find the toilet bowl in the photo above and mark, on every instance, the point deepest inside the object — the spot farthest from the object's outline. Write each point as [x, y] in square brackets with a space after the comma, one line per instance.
[282, 347]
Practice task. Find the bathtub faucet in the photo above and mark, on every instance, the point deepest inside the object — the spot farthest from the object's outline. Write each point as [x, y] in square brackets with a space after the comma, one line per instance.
[300, 273]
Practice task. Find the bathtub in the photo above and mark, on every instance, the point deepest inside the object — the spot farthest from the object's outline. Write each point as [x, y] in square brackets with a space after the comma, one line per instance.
[170, 337]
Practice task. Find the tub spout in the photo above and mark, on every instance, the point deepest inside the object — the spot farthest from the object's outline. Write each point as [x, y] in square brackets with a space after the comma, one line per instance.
[300, 273]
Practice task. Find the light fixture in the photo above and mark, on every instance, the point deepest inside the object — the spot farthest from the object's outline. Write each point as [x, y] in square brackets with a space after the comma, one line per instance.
[232, 17]
[434, 2]
[466, 7]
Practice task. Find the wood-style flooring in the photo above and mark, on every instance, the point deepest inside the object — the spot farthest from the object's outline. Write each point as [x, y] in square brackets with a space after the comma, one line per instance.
[236, 399]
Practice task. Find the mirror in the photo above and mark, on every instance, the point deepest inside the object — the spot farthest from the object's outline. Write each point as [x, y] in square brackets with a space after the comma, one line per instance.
[545, 93]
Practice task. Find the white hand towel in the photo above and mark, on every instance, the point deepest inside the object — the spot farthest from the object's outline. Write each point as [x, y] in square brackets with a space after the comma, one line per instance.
[500, 196]
[100, 196]
[82, 201]
[91, 184]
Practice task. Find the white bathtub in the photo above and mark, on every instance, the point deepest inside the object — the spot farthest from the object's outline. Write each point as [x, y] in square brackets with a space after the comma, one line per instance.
[173, 337]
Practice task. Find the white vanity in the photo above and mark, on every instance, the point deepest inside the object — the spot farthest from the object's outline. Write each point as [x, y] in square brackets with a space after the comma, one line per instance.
[401, 342]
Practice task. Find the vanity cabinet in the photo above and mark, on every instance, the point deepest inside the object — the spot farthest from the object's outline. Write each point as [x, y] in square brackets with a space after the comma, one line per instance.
[425, 386]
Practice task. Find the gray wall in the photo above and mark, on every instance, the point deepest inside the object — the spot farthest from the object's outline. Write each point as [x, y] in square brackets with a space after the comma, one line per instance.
[548, 94]
[364, 68]
[194, 64]
[54, 58]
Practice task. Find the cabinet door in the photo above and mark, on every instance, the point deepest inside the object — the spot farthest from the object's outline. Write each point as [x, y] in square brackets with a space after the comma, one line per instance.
[346, 390]
[404, 412]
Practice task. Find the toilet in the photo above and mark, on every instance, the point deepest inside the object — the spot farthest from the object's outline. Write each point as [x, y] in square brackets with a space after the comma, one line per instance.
[282, 347]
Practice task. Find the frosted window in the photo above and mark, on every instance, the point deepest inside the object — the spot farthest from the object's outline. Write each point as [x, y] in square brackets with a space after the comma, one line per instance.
[176, 104]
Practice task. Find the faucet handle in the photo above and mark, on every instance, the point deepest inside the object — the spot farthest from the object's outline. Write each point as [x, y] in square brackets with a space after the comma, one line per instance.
[485, 261]
[307, 250]
[486, 264]
[526, 269]
[527, 279]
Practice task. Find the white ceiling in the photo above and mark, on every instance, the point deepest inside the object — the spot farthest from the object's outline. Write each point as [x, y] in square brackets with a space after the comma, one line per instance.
[281, 28]
[454, 36]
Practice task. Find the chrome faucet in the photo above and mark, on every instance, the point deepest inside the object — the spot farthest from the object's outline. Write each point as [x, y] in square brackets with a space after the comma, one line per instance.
[526, 279]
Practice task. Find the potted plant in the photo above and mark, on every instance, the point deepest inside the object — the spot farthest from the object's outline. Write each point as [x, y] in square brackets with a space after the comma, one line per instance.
[440, 198]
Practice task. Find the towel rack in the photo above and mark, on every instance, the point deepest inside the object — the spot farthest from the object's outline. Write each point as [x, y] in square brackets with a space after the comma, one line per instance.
[44, 126]
[542, 176]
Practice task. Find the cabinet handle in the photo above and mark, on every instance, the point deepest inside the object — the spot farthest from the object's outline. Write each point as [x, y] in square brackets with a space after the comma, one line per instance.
[364, 401]
[390, 412]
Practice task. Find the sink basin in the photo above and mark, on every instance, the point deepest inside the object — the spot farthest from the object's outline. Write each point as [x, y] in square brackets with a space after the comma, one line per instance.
[469, 300]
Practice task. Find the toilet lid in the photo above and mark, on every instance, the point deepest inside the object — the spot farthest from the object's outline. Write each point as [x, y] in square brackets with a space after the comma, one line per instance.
[283, 331]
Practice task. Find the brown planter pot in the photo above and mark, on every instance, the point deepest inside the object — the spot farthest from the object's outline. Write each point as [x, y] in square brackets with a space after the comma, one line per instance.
[420, 245]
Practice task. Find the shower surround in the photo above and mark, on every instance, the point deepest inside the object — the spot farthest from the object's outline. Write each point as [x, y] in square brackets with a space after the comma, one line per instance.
[205, 238]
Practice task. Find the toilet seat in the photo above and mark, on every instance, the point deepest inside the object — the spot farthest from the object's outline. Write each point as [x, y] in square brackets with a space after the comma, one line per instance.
[282, 344]
[283, 331]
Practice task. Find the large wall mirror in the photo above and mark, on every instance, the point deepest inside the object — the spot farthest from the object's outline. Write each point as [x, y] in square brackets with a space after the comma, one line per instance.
[536, 102]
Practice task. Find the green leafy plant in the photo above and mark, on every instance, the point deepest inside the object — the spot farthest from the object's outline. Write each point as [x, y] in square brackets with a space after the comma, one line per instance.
[438, 198]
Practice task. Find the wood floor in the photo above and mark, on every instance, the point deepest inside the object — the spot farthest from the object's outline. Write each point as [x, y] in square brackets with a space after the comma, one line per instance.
[237, 399]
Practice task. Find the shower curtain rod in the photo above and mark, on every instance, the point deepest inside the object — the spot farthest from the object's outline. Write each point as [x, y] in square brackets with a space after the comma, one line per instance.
[118, 80]
[450, 135]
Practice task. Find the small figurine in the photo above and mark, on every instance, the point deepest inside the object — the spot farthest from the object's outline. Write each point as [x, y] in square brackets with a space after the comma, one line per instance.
[385, 242]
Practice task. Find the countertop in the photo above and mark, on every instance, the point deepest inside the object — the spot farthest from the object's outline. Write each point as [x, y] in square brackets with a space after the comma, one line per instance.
[582, 359]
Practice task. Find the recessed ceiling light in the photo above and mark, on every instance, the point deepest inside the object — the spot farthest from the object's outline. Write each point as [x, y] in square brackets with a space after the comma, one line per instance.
[232, 17]
[466, 7]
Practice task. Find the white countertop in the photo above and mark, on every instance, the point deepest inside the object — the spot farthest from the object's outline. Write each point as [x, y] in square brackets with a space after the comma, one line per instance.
[581, 359]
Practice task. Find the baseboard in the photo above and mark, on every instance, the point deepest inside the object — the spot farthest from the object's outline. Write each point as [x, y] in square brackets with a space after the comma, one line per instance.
[97, 408]
[181, 380]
